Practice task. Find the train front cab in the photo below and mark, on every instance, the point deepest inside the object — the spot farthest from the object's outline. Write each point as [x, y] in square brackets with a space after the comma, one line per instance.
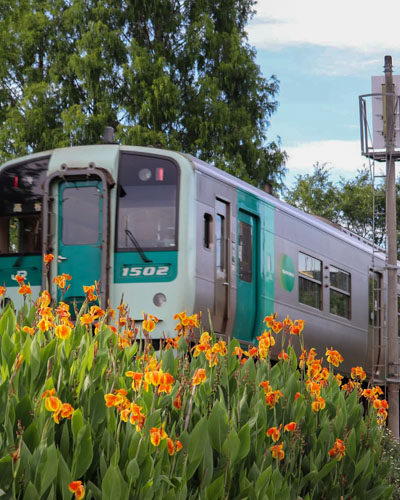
[121, 216]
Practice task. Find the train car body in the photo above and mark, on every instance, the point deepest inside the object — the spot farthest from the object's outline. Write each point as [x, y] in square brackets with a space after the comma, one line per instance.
[167, 232]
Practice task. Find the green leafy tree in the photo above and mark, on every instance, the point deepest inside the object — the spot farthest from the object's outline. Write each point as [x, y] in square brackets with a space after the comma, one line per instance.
[355, 204]
[178, 73]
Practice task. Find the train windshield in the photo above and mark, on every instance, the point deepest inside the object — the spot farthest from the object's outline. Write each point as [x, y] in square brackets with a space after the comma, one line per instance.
[147, 203]
[21, 194]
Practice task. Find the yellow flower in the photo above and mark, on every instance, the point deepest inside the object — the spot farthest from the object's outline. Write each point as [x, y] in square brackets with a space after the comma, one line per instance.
[63, 332]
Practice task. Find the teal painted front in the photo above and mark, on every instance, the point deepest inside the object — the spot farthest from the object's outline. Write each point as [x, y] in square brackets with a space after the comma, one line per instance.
[255, 299]
[28, 266]
[79, 245]
[130, 268]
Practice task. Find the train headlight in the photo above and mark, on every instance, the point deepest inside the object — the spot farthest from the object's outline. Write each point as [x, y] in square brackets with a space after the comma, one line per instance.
[159, 299]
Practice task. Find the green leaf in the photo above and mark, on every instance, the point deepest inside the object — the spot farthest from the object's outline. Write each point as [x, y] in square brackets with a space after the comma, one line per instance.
[133, 470]
[351, 445]
[216, 488]
[244, 436]
[49, 471]
[231, 447]
[218, 426]
[83, 453]
[168, 362]
[263, 481]
[98, 409]
[6, 472]
[31, 492]
[63, 478]
[197, 440]
[110, 486]
[362, 464]
[326, 469]
[76, 423]
[31, 437]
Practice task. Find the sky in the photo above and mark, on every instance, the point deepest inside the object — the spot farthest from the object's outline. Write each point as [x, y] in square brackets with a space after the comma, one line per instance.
[324, 55]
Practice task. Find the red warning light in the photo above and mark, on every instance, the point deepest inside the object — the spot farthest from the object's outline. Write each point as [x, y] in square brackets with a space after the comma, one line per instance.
[15, 181]
[159, 174]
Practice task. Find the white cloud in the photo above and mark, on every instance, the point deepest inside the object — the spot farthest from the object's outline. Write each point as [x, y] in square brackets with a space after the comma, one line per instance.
[364, 25]
[342, 158]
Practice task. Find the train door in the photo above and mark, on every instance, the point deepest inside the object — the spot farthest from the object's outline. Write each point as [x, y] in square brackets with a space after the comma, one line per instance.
[221, 266]
[80, 217]
[246, 309]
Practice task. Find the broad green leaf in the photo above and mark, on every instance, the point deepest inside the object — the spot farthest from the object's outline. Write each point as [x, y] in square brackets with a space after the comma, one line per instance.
[132, 470]
[49, 471]
[263, 480]
[351, 450]
[6, 472]
[83, 452]
[244, 437]
[31, 437]
[231, 447]
[362, 464]
[31, 492]
[98, 408]
[64, 478]
[216, 488]
[218, 426]
[111, 486]
[168, 362]
[76, 423]
[197, 440]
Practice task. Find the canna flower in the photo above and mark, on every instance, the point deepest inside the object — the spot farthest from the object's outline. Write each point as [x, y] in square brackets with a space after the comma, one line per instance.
[173, 447]
[89, 292]
[62, 332]
[297, 327]
[137, 379]
[291, 427]
[238, 351]
[277, 326]
[45, 324]
[318, 404]
[283, 355]
[2, 291]
[178, 401]
[274, 433]
[25, 290]
[48, 258]
[20, 279]
[86, 319]
[272, 397]
[52, 403]
[269, 320]
[28, 329]
[157, 434]
[149, 322]
[66, 411]
[77, 488]
[358, 373]
[49, 392]
[199, 376]
[338, 450]
[60, 281]
[333, 357]
[277, 451]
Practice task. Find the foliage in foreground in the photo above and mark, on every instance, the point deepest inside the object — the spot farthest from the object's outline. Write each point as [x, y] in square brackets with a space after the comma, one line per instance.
[104, 416]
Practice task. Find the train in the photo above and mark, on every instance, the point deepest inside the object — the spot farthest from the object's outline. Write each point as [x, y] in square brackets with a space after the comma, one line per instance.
[170, 233]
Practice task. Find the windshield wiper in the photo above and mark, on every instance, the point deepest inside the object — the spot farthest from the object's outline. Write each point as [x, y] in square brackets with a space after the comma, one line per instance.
[138, 247]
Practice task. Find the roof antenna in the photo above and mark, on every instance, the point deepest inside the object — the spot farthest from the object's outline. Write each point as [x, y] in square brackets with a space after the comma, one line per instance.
[109, 137]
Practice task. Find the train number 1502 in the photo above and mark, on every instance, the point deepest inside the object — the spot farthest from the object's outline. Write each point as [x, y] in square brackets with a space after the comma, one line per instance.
[145, 271]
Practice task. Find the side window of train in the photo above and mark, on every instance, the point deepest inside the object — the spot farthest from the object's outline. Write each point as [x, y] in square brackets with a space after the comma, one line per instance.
[208, 231]
[310, 281]
[340, 292]
[245, 252]
[220, 242]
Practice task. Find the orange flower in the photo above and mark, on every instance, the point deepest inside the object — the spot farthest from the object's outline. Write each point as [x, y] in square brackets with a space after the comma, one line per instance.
[297, 327]
[199, 376]
[178, 401]
[48, 258]
[277, 451]
[77, 488]
[49, 392]
[25, 290]
[283, 355]
[62, 332]
[113, 399]
[44, 325]
[86, 319]
[157, 434]
[52, 403]
[20, 279]
[137, 379]
[60, 281]
[338, 450]
[274, 433]
[170, 446]
[66, 410]
[333, 357]
[238, 351]
[272, 397]
[291, 427]
[269, 320]
[28, 329]
[358, 373]
[318, 404]
[2, 290]
[149, 322]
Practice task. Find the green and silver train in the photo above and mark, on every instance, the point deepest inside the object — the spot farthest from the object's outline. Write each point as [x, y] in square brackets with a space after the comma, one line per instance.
[168, 233]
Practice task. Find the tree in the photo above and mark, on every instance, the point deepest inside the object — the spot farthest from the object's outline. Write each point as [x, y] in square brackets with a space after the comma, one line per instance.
[355, 204]
[179, 73]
